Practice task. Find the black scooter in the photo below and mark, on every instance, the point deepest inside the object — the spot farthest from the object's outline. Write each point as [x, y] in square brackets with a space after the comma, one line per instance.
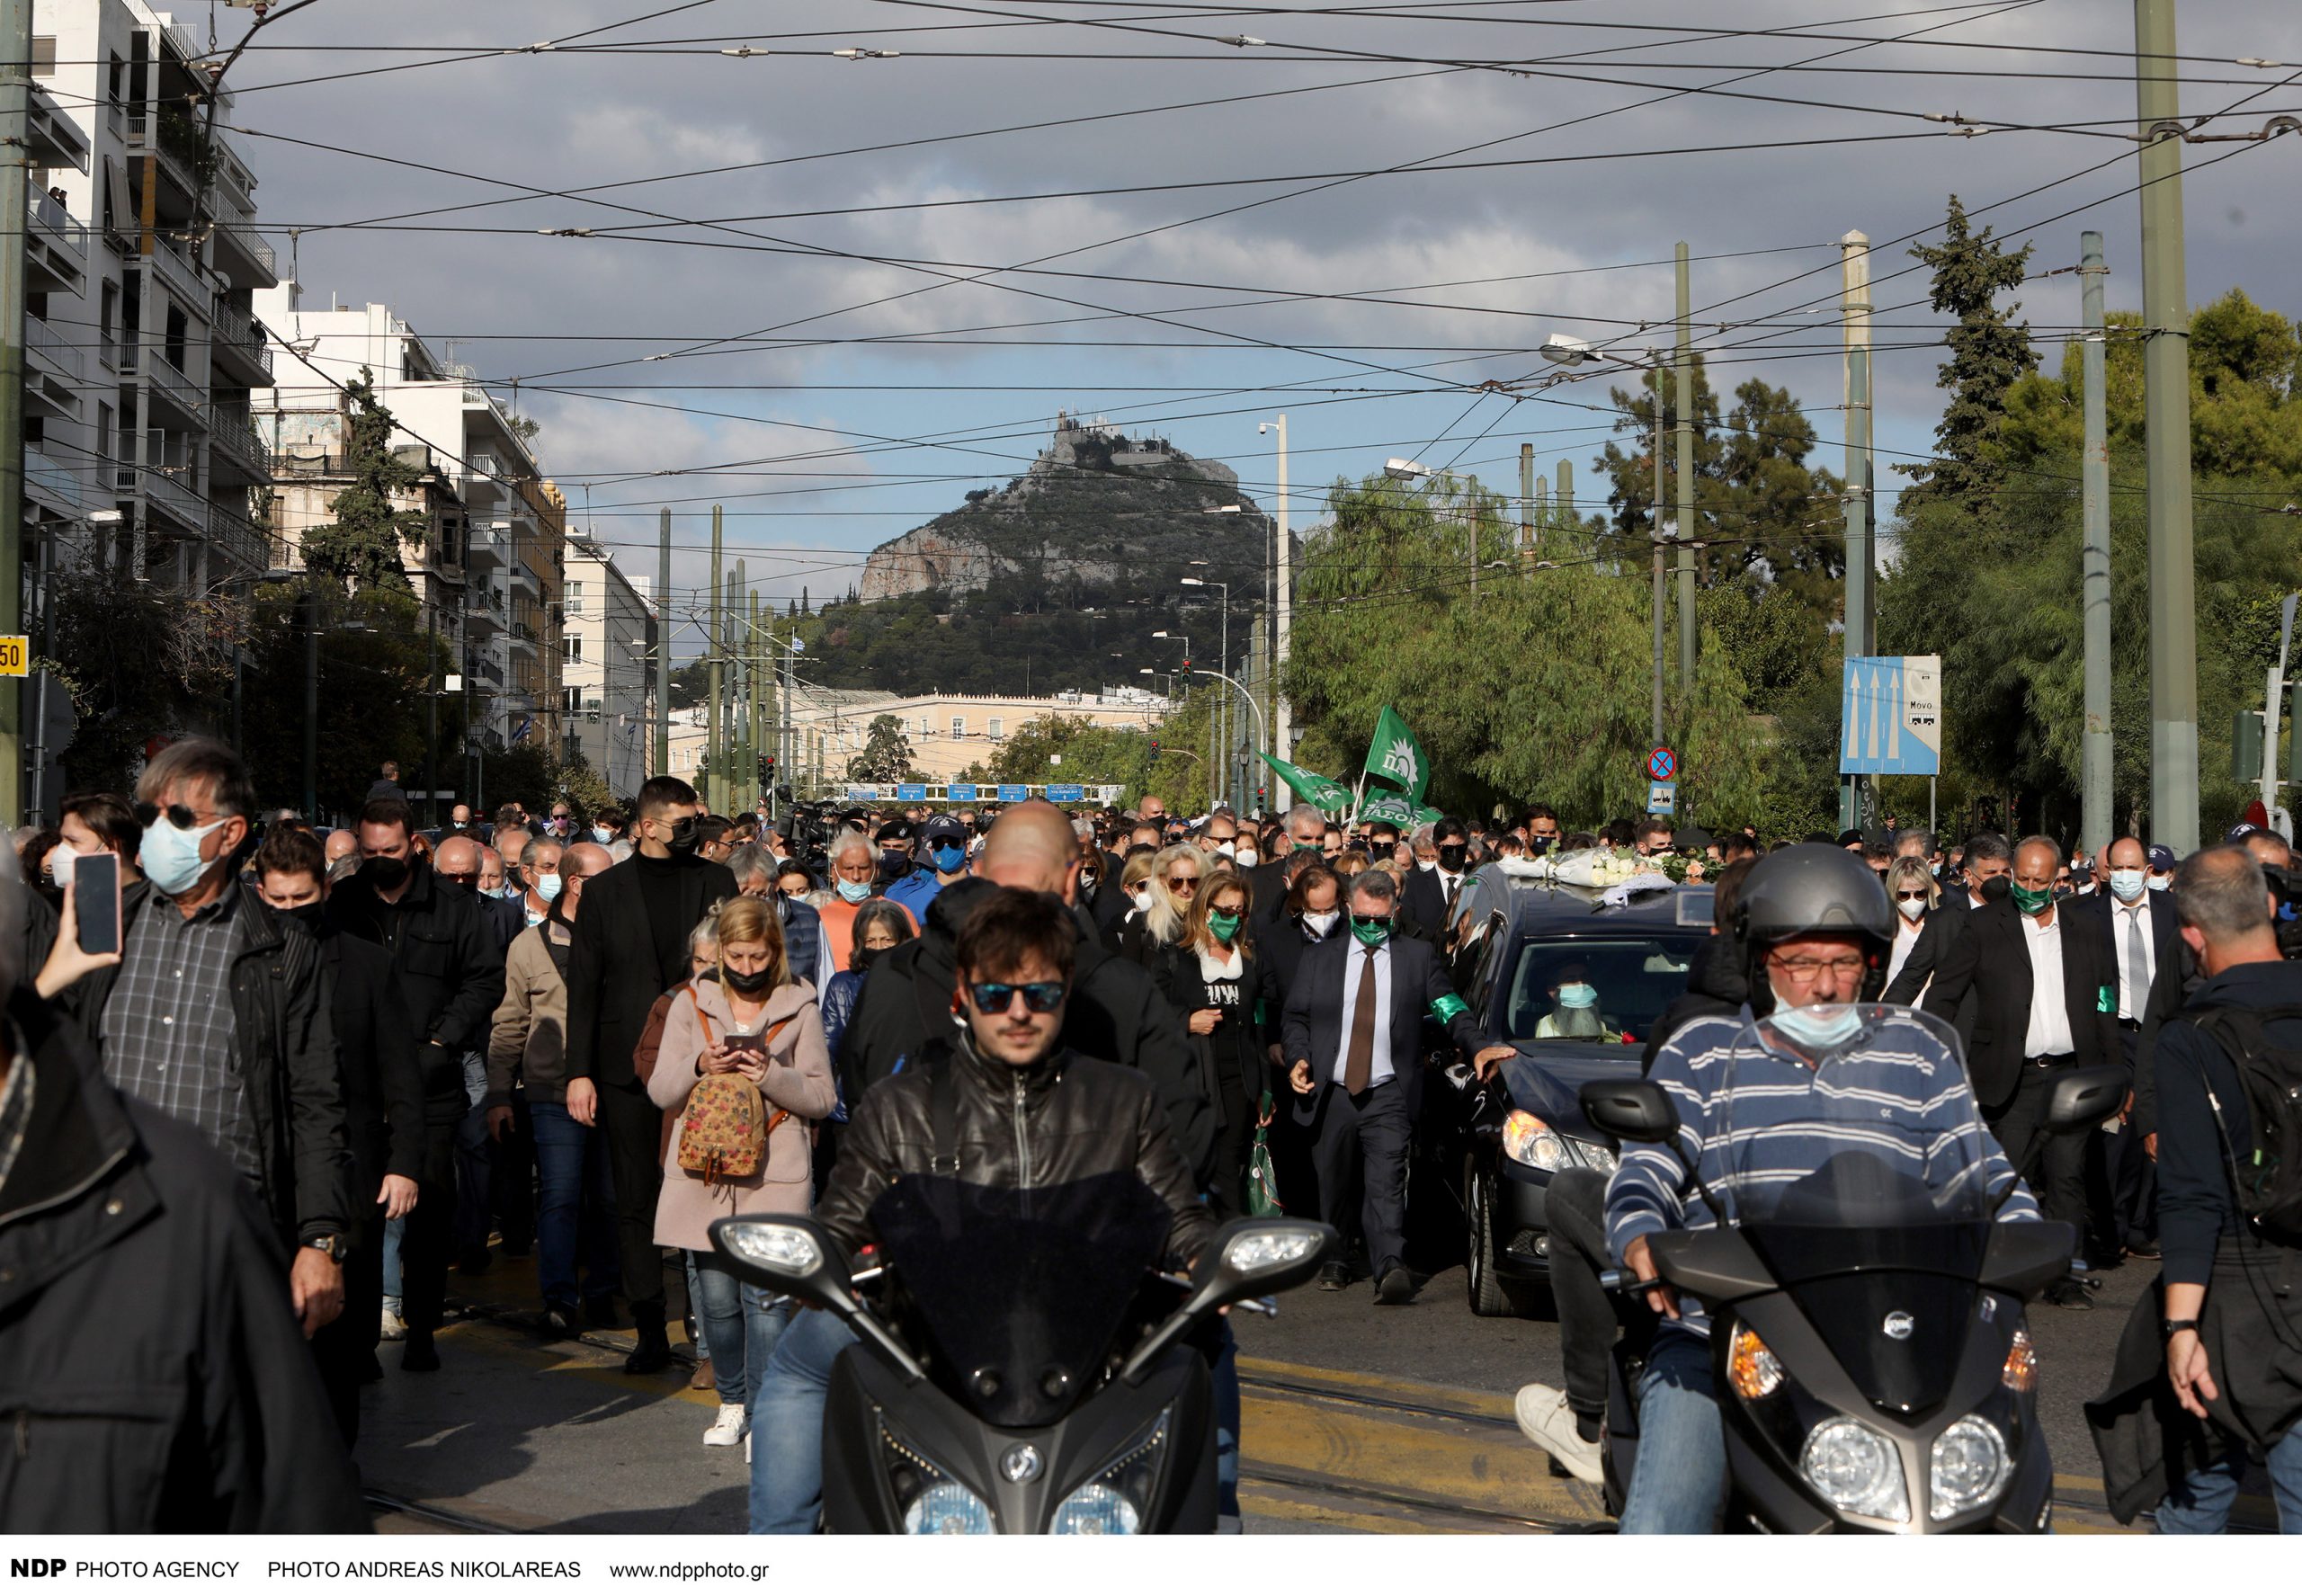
[1020, 1366]
[1869, 1353]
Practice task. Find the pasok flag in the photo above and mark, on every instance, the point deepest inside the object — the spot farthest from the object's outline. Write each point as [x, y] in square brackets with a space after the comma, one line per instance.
[1396, 758]
[1331, 797]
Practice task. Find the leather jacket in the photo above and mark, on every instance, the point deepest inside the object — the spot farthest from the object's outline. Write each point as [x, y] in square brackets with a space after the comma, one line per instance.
[1063, 1119]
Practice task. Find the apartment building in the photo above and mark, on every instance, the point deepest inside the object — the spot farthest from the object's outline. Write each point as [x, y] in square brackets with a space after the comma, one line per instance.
[488, 568]
[607, 644]
[143, 353]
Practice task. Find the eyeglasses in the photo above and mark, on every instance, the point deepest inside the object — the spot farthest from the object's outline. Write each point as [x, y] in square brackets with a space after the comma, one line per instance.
[1371, 920]
[1807, 971]
[462, 877]
[182, 817]
[997, 997]
[1183, 884]
[1911, 898]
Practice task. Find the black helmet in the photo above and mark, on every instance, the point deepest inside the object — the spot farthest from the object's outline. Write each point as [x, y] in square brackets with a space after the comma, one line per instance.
[1812, 889]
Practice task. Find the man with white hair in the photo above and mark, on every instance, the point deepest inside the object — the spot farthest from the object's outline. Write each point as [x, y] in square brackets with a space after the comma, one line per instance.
[854, 880]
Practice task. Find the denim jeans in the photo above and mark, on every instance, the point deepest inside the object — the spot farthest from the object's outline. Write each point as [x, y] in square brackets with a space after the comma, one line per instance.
[575, 1211]
[740, 1325]
[1679, 1484]
[787, 1424]
[2200, 1504]
[394, 1229]
[474, 1183]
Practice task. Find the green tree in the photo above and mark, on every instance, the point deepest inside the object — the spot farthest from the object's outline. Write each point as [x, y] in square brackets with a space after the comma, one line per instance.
[361, 548]
[885, 755]
[137, 664]
[1990, 352]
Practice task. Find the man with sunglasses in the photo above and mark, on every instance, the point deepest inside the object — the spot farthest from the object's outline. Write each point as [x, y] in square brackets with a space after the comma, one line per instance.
[1024, 1109]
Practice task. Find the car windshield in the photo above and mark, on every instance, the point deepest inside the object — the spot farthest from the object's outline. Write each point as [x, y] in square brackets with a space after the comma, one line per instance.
[1879, 1130]
[1596, 989]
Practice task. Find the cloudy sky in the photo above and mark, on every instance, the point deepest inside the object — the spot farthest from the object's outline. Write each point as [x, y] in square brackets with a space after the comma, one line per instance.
[833, 294]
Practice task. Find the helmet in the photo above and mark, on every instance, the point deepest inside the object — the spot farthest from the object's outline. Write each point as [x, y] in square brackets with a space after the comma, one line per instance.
[1812, 889]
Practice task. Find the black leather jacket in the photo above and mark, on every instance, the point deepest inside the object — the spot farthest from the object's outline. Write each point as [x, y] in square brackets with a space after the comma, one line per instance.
[1063, 1118]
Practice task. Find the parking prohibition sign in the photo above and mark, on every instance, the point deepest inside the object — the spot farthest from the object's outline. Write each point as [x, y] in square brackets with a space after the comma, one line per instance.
[1662, 765]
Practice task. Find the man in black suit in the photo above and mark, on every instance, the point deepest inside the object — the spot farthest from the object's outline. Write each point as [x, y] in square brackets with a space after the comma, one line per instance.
[1429, 906]
[458, 859]
[1350, 1036]
[630, 947]
[2146, 942]
[1987, 859]
[2044, 986]
[383, 1108]
[1306, 831]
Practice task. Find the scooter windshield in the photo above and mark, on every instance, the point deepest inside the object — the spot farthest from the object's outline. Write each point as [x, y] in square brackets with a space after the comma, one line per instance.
[1018, 1291]
[1876, 1129]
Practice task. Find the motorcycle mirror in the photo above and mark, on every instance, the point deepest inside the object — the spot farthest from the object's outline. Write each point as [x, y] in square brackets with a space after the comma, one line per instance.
[795, 1256]
[1630, 1111]
[2082, 1098]
[1246, 1258]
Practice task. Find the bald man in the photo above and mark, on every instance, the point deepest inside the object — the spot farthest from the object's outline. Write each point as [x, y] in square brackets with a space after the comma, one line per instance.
[342, 843]
[1152, 810]
[458, 859]
[1116, 1011]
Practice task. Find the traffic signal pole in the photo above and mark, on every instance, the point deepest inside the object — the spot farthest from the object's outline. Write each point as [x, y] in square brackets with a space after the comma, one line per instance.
[15, 134]
[2095, 826]
[1854, 251]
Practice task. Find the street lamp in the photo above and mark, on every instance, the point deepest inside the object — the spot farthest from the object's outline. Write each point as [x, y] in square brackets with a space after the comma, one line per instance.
[1563, 351]
[1220, 738]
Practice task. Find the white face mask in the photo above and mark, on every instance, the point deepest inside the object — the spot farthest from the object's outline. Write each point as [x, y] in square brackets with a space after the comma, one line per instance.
[1142, 896]
[1911, 908]
[60, 861]
[1245, 856]
[1226, 848]
[1323, 923]
[2160, 883]
[1426, 864]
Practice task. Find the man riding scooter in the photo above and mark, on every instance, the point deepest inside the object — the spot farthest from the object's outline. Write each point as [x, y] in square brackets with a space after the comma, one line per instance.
[1813, 919]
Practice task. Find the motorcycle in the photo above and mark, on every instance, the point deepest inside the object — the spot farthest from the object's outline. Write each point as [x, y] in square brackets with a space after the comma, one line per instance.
[1871, 1356]
[1021, 1365]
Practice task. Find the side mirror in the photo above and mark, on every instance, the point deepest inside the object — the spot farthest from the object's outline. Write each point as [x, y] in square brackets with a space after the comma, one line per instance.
[1630, 1111]
[794, 1257]
[1246, 1258]
[2084, 1098]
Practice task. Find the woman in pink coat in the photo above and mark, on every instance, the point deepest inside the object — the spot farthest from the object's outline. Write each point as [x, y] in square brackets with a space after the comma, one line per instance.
[749, 993]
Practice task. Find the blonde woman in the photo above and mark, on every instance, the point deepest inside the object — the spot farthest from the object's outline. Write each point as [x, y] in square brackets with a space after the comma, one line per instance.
[745, 1015]
[1134, 891]
[1915, 892]
[1175, 880]
[1212, 978]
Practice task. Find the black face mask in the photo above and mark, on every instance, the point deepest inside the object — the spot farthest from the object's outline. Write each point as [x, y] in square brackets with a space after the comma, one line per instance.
[310, 916]
[1453, 856]
[386, 875]
[1997, 889]
[894, 866]
[687, 835]
[750, 986]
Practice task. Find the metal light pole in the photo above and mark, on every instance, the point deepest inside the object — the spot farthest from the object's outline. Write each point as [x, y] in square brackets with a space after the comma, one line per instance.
[2166, 409]
[15, 134]
[1283, 565]
[712, 653]
[1685, 372]
[1223, 734]
[1861, 630]
[663, 643]
[1526, 501]
[2096, 824]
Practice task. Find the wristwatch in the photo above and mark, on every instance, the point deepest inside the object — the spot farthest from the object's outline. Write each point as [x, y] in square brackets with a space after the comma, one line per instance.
[2169, 1328]
[335, 1246]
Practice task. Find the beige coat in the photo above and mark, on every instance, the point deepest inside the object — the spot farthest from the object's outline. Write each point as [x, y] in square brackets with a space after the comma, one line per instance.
[796, 1076]
[530, 1032]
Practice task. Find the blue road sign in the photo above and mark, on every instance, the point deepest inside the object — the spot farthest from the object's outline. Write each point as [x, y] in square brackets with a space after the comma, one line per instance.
[960, 792]
[1662, 765]
[862, 794]
[1890, 709]
[1066, 792]
[1013, 792]
[1662, 798]
[910, 792]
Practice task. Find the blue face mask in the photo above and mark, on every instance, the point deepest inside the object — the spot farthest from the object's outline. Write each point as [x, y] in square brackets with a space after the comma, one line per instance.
[171, 858]
[949, 857]
[548, 887]
[854, 892]
[601, 833]
[2128, 885]
[1819, 1027]
[1578, 994]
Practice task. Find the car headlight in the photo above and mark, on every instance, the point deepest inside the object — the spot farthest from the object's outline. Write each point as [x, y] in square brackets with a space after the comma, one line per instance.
[1526, 1140]
[1595, 1156]
[1115, 1497]
[931, 1502]
[1856, 1469]
[1967, 1468]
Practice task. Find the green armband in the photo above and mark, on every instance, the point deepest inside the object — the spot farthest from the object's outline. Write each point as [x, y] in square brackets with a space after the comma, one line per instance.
[1444, 1008]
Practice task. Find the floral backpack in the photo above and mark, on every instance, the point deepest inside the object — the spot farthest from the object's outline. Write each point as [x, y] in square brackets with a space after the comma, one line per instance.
[725, 1126]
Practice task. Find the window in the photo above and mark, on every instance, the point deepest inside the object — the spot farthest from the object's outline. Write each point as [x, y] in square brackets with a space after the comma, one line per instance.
[573, 597]
[44, 57]
[103, 432]
[959, 725]
[998, 728]
[107, 321]
[571, 649]
[179, 327]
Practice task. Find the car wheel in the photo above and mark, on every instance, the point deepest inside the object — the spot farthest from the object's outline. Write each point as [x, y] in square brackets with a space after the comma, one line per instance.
[1488, 1299]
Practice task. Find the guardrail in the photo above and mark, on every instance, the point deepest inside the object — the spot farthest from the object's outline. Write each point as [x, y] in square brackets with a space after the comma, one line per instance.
[242, 333]
[169, 379]
[52, 346]
[177, 272]
[59, 481]
[234, 435]
[238, 538]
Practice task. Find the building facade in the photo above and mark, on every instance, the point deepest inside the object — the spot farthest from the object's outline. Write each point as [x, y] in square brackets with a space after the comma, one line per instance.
[607, 642]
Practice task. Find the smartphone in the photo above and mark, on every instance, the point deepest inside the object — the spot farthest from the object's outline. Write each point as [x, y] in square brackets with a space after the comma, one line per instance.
[95, 899]
[753, 1044]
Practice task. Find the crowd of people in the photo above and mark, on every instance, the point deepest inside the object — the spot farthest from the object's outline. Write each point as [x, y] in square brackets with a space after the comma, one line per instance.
[369, 1057]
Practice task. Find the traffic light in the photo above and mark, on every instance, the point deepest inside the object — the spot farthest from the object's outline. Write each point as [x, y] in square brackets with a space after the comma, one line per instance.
[1154, 747]
[766, 768]
[2246, 746]
[1259, 798]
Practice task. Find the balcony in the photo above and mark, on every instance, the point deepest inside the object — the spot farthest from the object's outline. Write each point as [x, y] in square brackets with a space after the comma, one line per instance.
[53, 357]
[181, 279]
[245, 257]
[485, 549]
[234, 184]
[56, 248]
[235, 451]
[46, 482]
[56, 139]
[166, 490]
[169, 383]
[242, 349]
[174, 139]
[238, 539]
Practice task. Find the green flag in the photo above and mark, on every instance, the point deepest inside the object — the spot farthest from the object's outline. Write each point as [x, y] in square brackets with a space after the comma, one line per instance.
[1395, 757]
[1331, 797]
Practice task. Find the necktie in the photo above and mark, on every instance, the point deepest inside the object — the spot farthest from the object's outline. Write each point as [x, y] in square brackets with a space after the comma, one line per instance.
[2138, 966]
[1359, 1063]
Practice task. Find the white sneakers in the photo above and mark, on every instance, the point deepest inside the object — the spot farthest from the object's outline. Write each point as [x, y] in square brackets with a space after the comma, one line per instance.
[394, 1328]
[1545, 1419]
[728, 1428]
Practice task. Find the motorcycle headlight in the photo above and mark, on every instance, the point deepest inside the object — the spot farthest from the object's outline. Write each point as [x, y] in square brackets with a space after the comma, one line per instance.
[932, 1501]
[1095, 1510]
[1967, 1468]
[1856, 1470]
[1526, 1140]
[1116, 1496]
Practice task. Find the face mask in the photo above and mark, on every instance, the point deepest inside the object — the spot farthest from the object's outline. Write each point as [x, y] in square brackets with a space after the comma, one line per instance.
[1453, 857]
[2160, 883]
[1426, 864]
[950, 856]
[1309, 848]
[532, 917]
[171, 858]
[548, 887]
[1994, 890]
[1224, 926]
[895, 865]
[750, 986]
[854, 892]
[1820, 1028]
[1320, 924]
[1087, 879]
[2128, 885]
[1247, 856]
[60, 861]
[1142, 896]
[601, 833]
[385, 874]
[2028, 902]
[1226, 847]
[686, 836]
[1578, 994]
[1911, 908]
[1371, 936]
[308, 916]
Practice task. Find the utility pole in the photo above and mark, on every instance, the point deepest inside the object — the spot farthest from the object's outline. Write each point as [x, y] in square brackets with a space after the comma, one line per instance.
[430, 705]
[1685, 371]
[15, 135]
[664, 643]
[2095, 826]
[1655, 530]
[1527, 501]
[712, 653]
[2166, 411]
[739, 710]
[312, 698]
[1860, 632]
[1283, 722]
[1565, 499]
[760, 693]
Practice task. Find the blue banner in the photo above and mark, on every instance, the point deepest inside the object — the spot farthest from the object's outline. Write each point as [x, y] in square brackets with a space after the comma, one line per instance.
[1013, 792]
[962, 792]
[910, 792]
[862, 794]
[1065, 793]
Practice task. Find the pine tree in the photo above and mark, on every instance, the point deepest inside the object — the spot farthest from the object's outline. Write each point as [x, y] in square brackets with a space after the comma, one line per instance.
[1990, 352]
[805, 608]
[361, 548]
